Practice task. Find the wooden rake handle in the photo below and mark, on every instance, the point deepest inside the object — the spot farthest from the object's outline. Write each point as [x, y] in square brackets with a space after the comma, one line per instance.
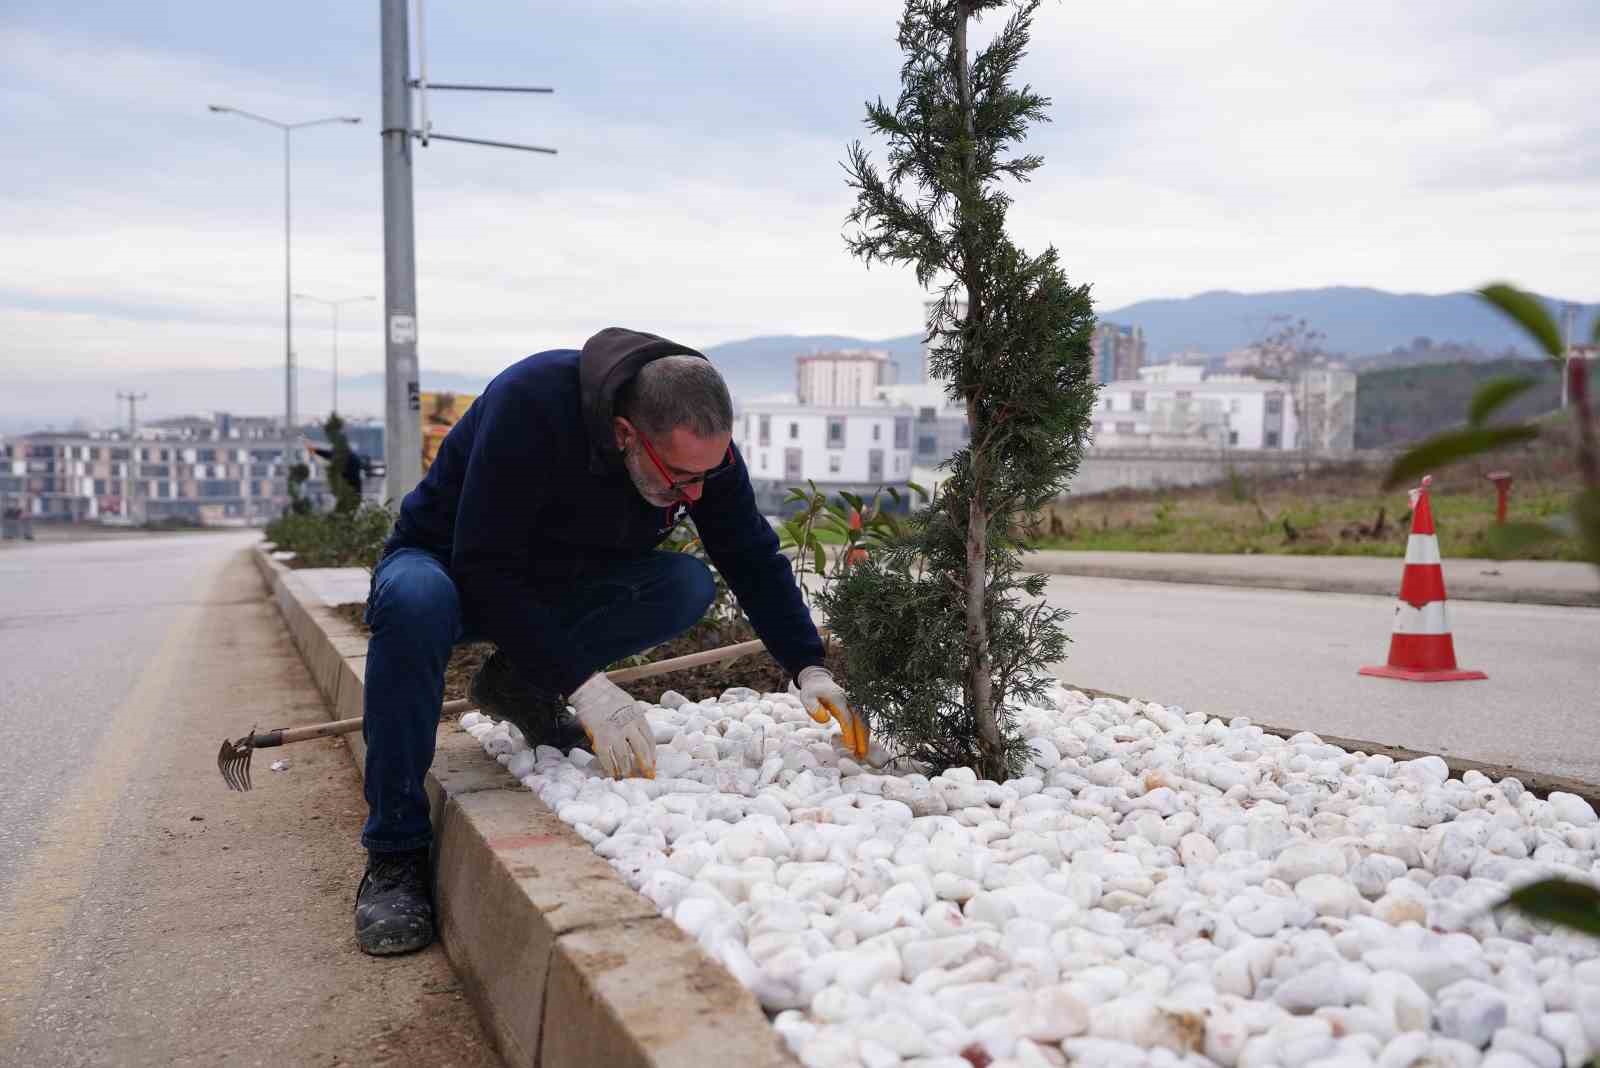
[283, 736]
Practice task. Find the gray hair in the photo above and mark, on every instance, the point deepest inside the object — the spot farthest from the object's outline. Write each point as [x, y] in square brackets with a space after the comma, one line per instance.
[678, 391]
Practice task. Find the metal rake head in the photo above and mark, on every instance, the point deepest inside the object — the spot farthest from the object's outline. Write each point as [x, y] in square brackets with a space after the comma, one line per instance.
[233, 760]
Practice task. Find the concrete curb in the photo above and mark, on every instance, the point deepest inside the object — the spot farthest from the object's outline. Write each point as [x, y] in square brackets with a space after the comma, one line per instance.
[539, 927]
[1461, 587]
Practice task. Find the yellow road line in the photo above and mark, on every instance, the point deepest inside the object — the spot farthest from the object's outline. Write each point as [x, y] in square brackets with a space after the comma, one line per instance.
[53, 879]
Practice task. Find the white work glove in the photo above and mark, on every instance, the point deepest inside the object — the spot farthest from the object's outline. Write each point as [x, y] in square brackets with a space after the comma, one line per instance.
[616, 728]
[823, 698]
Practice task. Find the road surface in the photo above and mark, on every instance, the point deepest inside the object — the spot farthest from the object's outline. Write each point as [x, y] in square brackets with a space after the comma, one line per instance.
[1289, 659]
[147, 915]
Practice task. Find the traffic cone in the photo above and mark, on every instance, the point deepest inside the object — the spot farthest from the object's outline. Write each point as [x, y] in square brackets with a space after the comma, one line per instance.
[1421, 649]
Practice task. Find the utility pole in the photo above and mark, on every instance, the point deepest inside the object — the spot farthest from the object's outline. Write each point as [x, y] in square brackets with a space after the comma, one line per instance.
[131, 479]
[402, 400]
[334, 306]
[402, 396]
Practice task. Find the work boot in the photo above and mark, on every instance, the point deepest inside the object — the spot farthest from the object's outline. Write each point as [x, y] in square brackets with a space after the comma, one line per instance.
[502, 692]
[394, 906]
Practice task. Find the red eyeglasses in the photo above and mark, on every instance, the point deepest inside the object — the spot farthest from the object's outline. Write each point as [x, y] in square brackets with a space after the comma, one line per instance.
[677, 485]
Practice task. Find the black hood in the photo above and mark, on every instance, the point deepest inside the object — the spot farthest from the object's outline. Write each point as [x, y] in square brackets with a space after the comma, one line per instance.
[609, 360]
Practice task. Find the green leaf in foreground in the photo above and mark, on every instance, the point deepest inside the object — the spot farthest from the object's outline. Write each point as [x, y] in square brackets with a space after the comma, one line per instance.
[1441, 450]
[1529, 313]
[1569, 904]
[1494, 394]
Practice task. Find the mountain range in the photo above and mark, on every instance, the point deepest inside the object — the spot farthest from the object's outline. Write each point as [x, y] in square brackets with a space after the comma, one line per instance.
[1376, 327]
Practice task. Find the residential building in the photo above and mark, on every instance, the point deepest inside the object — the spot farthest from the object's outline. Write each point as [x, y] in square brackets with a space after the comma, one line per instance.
[847, 447]
[1325, 408]
[1119, 352]
[842, 379]
[220, 471]
[1175, 405]
[939, 426]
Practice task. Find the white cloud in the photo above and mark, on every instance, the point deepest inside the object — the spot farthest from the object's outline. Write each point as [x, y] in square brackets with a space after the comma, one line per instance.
[1251, 145]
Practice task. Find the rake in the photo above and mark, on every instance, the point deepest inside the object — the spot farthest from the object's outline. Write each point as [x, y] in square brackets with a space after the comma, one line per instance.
[233, 759]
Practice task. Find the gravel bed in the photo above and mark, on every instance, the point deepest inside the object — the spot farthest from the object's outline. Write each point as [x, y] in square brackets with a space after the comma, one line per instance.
[1157, 889]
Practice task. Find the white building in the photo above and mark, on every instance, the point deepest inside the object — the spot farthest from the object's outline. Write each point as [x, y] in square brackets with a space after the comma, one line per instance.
[224, 470]
[842, 379]
[1325, 407]
[837, 446]
[1178, 405]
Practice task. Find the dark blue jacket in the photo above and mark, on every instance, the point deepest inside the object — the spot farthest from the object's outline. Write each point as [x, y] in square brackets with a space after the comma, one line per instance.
[530, 483]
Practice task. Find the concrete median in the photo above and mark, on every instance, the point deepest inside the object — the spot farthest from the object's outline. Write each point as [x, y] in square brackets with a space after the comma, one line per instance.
[566, 965]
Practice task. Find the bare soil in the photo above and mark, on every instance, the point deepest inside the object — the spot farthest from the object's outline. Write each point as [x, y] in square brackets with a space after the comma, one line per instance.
[759, 671]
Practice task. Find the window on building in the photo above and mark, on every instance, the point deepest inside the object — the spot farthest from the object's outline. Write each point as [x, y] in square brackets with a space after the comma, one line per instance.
[835, 463]
[1272, 439]
[794, 431]
[1233, 437]
[1274, 403]
[763, 461]
[926, 415]
[927, 444]
[902, 432]
[765, 437]
[1235, 405]
[877, 432]
[835, 432]
[1138, 401]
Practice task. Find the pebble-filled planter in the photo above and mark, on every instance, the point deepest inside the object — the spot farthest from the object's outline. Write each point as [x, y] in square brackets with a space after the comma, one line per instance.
[1158, 888]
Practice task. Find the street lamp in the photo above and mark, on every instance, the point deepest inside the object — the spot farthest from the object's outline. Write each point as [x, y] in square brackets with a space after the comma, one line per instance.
[288, 350]
[335, 304]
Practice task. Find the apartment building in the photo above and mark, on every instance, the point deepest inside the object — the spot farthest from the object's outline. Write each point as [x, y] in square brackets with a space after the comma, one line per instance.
[840, 379]
[1180, 405]
[1119, 352]
[854, 448]
[223, 470]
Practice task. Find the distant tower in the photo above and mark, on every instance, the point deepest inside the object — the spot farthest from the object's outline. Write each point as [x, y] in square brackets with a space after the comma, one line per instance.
[1119, 352]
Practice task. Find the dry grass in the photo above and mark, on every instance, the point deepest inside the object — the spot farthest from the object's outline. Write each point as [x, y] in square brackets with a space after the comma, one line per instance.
[1335, 511]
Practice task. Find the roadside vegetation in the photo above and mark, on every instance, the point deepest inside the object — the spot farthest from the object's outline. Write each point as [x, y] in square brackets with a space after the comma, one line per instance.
[1334, 511]
[351, 535]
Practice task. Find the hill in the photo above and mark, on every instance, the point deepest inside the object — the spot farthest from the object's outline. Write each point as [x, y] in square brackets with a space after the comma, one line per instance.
[1356, 321]
[1403, 404]
[760, 365]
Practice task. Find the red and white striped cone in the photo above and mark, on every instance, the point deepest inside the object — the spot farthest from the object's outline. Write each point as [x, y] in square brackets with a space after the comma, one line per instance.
[1421, 648]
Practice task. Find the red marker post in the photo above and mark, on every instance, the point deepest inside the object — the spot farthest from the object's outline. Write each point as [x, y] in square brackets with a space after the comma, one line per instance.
[1502, 486]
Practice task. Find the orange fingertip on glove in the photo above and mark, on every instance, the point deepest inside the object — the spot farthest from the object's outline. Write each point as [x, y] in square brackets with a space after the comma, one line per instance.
[853, 727]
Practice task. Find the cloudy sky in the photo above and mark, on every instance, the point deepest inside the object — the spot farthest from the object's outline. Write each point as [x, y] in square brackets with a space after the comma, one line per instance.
[1427, 146]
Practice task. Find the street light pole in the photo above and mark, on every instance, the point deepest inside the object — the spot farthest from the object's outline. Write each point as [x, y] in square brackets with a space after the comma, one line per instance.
[335, 305]
[288, 313]
[131, 472]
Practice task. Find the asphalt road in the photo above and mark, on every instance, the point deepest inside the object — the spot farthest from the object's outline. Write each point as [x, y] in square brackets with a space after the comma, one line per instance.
[1289, 659]
[148, 916]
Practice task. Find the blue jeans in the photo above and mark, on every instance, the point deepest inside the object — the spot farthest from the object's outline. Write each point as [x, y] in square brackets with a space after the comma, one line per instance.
[613, 609]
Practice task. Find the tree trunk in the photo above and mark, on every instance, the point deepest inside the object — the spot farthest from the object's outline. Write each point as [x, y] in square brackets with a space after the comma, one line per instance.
[980, 682]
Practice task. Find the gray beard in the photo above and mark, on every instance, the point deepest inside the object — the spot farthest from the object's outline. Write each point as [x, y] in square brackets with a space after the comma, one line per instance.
[642, 482]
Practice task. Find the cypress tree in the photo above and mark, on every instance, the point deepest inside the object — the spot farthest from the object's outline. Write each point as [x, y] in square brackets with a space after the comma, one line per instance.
[942, 629]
